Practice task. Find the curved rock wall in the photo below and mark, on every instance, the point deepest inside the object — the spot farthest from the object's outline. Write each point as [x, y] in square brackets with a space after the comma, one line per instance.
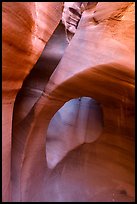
[73, 125]
[26, 27]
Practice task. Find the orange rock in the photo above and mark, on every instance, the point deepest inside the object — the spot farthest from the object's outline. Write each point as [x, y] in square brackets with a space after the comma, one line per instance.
[73, 135]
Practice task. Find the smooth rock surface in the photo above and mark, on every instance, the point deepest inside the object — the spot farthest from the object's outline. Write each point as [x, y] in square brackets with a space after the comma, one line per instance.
[73, 125]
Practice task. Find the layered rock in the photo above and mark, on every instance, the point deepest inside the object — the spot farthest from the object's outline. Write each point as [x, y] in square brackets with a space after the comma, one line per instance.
[26, 28]
[99, 64]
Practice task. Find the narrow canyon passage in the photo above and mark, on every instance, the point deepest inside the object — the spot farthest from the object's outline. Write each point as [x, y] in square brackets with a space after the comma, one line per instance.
[70, 121]
[80, 154]
[35, 82]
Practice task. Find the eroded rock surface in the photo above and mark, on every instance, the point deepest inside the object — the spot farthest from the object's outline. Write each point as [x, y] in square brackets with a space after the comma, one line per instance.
[73, 124]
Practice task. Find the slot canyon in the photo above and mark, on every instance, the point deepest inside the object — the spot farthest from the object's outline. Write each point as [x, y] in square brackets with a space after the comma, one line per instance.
[68, 102]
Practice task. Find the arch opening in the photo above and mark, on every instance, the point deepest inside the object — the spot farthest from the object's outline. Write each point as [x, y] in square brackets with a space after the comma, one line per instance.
[78, 121]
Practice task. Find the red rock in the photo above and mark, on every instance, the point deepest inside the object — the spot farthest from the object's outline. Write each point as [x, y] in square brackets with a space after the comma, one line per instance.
[84, 150]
